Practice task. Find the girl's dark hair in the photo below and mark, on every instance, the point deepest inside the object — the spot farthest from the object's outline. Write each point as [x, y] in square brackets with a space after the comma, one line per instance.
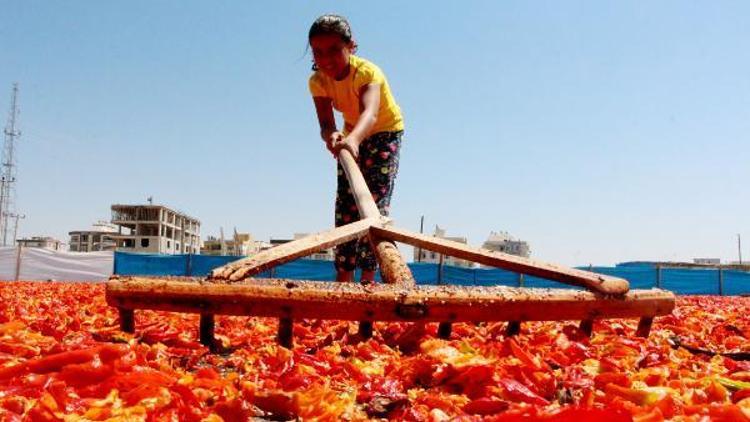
[332, 25]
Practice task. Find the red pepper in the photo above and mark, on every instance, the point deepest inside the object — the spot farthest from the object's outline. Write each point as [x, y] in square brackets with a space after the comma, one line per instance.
[235, 410]
[618, 378]
[139, 393]
[13, 371]
[51, 363]
[14, 404]
[292, 381]
[140, 376]
[485, 406]
[57, 361]
[279, 404]
[740, 394]
[639, 397]
[652, 415]
[207, 373]
[472, 380]
[110, 352]
[516, 391]
[577, 351]
[526, 357]
[81, 374]
[580, 414]
[727, 412]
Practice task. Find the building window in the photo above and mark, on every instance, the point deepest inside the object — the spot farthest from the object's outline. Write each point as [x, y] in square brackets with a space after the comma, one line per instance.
[169, 244]
[144, 243]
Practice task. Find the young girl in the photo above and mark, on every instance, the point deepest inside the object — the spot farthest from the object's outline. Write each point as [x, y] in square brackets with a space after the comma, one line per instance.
[372, 131]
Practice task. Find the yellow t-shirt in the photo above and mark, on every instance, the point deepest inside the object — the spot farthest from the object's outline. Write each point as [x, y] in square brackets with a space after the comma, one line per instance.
[345, 95]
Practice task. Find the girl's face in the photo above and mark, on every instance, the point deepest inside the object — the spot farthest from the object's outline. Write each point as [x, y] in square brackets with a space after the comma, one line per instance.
[331, 54]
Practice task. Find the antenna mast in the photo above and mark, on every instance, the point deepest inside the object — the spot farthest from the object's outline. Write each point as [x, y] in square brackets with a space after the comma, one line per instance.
[8, 173]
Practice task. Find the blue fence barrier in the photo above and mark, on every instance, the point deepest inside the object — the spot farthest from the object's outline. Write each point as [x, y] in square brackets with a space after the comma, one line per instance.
[642, 276]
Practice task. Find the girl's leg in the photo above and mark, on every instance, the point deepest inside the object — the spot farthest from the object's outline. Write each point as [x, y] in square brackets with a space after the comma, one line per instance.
[346, 212]
[379, 156]
[344, 276]
[368, 276]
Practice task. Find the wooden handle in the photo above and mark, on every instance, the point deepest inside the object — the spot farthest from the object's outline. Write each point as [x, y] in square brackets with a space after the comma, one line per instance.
[393, 268]
[362, 195]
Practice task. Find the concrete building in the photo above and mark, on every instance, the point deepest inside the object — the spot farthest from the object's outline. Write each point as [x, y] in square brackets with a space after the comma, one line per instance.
[241, 244]
[45, 242]
[155, 229]
[505, 243]
[423, 255]
[98, 238]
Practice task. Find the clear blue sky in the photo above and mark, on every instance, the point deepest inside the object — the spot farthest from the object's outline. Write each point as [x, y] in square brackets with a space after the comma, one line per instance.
[599, 131]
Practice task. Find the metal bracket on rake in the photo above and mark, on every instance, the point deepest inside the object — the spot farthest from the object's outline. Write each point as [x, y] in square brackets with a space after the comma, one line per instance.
[230, 290]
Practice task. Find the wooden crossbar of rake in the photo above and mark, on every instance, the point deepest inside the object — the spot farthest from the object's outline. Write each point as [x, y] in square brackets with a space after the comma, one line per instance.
[231, 290]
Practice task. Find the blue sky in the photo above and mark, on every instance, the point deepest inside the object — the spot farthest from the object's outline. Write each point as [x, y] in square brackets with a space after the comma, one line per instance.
[599, 131]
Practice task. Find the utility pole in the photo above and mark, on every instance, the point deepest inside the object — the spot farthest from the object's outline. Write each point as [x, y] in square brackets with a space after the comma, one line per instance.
[8, 173]
[223, 243]
[739, 247]
[15, 225]
[421, 230]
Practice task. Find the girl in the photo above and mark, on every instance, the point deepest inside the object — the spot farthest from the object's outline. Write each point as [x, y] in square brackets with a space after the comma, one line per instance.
[372, 131]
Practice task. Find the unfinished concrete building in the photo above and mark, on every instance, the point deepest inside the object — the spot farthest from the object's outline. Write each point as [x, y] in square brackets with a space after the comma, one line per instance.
[155, 229]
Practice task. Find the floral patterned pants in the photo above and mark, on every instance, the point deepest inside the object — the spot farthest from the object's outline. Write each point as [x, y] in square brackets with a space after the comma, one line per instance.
[378, 160]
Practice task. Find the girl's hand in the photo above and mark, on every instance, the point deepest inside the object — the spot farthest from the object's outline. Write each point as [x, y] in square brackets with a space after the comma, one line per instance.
[349, 143]
[334, 138]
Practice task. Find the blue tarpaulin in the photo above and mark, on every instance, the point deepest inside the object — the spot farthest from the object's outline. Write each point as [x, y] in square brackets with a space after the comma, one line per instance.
[640, 276]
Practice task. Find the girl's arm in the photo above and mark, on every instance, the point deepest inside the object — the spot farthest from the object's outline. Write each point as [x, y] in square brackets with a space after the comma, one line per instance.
[328, 132]
[369, 104]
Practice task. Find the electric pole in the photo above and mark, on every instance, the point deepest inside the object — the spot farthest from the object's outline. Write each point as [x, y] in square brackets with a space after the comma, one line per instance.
[421, 230]
[8, 173]
[15, 225]
[739, 247]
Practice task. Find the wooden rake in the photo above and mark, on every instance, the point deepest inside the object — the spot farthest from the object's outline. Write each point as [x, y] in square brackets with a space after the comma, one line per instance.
[230, 290]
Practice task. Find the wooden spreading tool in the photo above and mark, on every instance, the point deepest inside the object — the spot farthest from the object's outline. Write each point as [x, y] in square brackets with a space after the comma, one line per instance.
[230, 290]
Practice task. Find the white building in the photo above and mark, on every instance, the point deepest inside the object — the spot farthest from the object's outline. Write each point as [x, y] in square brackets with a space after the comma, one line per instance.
[423, 255]
[98, 238]
[241, 244]
[45, 242]
[505, 243]
[155, 229]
